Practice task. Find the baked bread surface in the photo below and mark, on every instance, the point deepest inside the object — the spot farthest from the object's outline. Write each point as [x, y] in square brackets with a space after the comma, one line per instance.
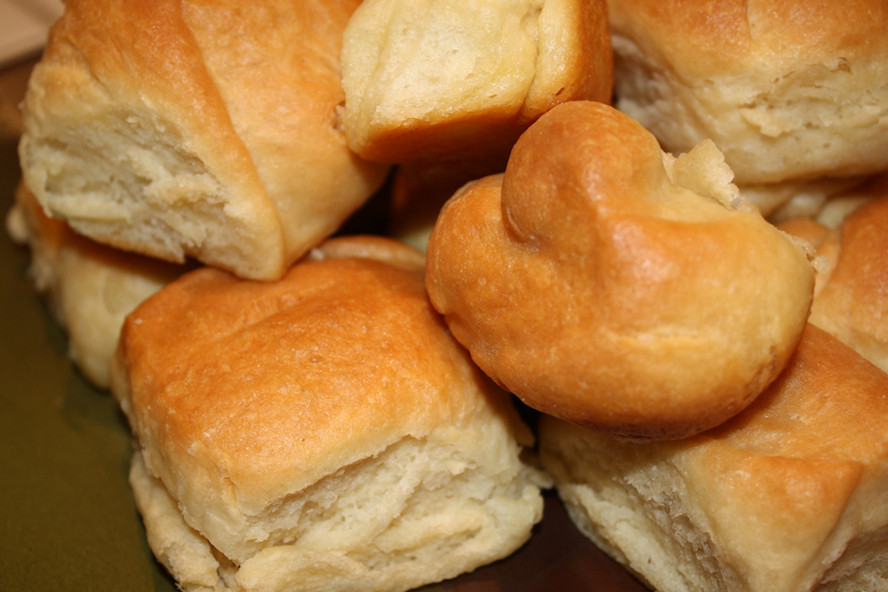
[607, 283]
[851, 292]
[790, 91]
[786, 497]
[206, 129]
[429, 79]
[322, 431]
[88, 287]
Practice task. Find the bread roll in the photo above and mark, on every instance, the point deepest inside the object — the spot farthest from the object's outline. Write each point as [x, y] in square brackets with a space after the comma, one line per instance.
[791, 92]
[204, 129]
[321, 432]
[88, 287]
[430, 79]
[607, 283]
[851, 294]
[789, 496]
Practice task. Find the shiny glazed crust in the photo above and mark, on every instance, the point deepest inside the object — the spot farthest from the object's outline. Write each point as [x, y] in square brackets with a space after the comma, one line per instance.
[606, 283]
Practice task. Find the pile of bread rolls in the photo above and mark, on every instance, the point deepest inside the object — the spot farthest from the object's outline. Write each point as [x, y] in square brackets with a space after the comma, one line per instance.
[659, 227]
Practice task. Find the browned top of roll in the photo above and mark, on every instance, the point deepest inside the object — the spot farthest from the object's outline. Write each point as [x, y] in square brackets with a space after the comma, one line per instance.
[263, 387]
[730, 36]
[439, 79]
[786, 495]
[852, 296]
[196, 129]
[608, 284]
[792, 92]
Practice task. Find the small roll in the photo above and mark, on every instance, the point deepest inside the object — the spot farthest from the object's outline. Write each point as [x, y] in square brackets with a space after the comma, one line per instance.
[323, 431]
[851, 294]
[196, 129]
[607, 283]
[788, 496]
[792, 92]
[89, 288]
[431, 79]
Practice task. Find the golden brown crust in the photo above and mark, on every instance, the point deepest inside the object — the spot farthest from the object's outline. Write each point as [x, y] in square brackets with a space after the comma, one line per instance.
[700, 38]
[238, 323]
[420, 189]
[598, 290]
[851, 303]
[428, 80]
[783, 497]
[790, 91]
[257, 405]
[179, 129]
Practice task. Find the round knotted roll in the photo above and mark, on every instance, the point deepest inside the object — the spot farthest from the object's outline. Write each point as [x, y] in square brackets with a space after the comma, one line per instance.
[609, 284]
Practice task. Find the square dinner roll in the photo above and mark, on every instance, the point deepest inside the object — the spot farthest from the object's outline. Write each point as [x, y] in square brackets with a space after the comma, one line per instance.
[795, 93]
[321, 432]
[789, 496]
[431, 79]
[88, 287]
[205, 128]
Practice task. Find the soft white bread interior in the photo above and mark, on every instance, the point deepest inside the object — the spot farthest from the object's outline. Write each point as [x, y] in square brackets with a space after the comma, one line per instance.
[323, 431]
[786, 497]
[443, 88]
[89, 288]
[607, 283]
[426, 79]
[792, 92]
[201, 129]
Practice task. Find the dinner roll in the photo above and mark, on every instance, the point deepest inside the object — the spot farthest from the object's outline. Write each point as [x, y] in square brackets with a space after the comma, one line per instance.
[89, 288]
[788, 496]
[792, 92]
[196, 129]
[427, 79]
[607, 283]
[851, 293]
[320, 432]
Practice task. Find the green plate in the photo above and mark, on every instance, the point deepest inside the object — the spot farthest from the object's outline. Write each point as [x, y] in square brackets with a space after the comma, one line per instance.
[67, 518]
